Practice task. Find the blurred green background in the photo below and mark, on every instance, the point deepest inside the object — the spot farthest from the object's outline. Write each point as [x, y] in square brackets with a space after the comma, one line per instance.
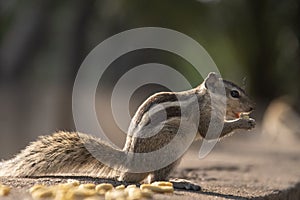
[43, 43]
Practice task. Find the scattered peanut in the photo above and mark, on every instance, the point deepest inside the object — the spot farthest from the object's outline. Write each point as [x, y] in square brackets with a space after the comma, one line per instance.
[131, 186]
[4, 190]
[65, 186]
[134, 193]
[147, 193]
[104, 186]
[162, 183]
[158, 189]
[120, 187]
[88, 186]
[115, 195]
[42, 193]
[74, 182]
[82, 192]
[101, 192]
[35, 187]
[93, 198]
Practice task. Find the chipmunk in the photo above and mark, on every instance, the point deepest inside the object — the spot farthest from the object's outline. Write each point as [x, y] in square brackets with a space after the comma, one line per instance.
[66, 153]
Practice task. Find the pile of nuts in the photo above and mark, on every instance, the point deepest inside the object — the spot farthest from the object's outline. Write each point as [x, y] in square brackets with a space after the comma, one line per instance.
[74, 190]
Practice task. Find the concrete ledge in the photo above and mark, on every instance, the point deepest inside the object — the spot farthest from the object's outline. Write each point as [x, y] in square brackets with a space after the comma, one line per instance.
[246, 166]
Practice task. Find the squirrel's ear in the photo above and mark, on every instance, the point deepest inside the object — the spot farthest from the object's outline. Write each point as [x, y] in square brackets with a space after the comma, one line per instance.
[212, 80]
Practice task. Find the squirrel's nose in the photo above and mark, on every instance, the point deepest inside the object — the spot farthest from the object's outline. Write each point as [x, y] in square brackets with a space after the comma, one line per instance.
[252, 106]
[251, 109]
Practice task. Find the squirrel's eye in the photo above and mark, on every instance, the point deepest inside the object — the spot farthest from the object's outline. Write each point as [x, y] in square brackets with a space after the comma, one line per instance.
[234, 93]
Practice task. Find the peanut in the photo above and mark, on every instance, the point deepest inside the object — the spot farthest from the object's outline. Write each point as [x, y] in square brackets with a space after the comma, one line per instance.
[4, 190]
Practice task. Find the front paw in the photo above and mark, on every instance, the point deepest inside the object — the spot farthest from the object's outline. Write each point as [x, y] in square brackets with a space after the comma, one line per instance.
[247, 123]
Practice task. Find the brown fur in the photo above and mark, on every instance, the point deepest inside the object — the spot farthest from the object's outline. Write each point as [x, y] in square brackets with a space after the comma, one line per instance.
[65, 153]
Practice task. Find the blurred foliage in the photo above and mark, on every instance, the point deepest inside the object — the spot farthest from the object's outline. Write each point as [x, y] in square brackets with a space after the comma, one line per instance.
[46, 41]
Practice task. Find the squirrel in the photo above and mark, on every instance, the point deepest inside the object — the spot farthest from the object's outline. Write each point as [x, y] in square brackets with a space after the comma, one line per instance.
[66, 153]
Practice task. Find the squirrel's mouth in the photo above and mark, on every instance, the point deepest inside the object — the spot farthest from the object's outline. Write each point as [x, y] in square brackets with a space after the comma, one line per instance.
[238, 115]
[243, 115]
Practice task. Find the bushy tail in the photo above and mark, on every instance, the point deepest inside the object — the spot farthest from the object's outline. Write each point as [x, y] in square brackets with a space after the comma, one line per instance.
[62, 153]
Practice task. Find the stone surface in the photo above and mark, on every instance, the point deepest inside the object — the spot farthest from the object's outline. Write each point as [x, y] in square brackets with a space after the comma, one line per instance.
[244, 166]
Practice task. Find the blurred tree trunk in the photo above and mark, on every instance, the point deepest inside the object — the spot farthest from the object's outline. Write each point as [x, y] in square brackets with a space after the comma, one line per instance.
[297, 30]
[77, 51]
[23, 39]
[262, 70]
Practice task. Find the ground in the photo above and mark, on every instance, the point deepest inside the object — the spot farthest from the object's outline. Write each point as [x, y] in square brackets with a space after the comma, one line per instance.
[249, 165]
